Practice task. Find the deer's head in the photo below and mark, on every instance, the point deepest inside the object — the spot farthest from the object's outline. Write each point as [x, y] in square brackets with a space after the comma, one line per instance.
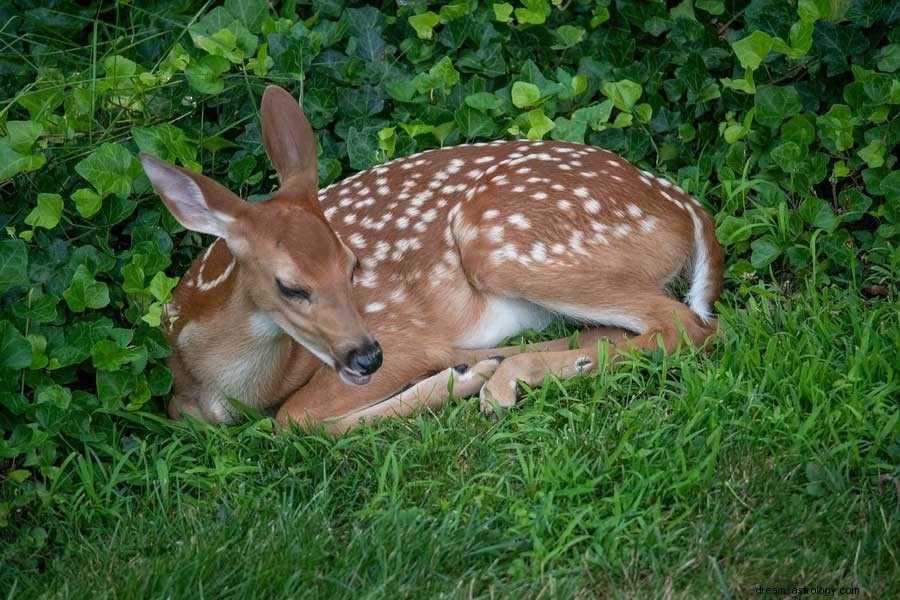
[294, 269]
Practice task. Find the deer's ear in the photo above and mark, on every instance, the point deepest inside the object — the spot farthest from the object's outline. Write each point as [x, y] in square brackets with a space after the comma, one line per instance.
[289, 140]
[196, 201]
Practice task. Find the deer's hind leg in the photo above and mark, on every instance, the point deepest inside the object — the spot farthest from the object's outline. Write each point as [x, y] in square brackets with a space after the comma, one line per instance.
[663, 318]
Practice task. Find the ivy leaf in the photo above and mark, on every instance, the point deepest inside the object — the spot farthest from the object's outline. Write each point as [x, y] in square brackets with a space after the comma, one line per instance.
[873, 153]
[13, 264]
[525, 94]
[111, 169]
[567, 36]
[108, 355]
[15, 350]
[161, 286]
[23, 134]
[474, 123]
[168, 142]
[47, 212]
[624, 94]
[774, 104]
[535, 12]
[204, 74]
[818, 213]
[569, 130]
[752, 49]
[788, 156]
[251, 13]
[765, 250]
[12, 162]
[424, 24]
[85, 291]
[889, 58]
[890, 187]
[539, 124]
[503, 12]
[838, 45]
[114, 386]
[483, 101]
[836, 127]
[87, 202]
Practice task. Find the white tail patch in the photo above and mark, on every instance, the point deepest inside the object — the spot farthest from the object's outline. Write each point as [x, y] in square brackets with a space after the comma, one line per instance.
[698, 293]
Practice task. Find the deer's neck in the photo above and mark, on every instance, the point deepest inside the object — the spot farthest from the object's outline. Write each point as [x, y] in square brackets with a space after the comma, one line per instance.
[255, 361]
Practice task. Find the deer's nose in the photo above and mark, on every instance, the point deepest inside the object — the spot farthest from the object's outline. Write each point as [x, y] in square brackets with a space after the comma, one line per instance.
[366, 359]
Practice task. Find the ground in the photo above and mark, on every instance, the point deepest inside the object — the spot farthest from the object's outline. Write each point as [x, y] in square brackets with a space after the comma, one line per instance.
[773, 461]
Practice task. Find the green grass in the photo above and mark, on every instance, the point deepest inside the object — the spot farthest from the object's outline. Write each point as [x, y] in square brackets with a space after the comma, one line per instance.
[774, 461]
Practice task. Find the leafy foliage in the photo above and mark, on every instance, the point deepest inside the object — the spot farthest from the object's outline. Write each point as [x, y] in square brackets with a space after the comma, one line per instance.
[783, 118]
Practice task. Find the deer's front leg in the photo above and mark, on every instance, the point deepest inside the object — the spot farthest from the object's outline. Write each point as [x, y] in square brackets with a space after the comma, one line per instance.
[326, 399]
[434, 392]
[501, 390]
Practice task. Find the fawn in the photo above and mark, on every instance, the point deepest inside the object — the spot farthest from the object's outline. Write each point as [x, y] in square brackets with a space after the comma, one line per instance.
[423, 264]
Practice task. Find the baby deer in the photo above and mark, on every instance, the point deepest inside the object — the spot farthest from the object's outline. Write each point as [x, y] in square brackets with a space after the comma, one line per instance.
[438, 256]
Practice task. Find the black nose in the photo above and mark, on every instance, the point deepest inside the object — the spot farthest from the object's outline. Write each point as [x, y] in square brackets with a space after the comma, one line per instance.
[366, 359]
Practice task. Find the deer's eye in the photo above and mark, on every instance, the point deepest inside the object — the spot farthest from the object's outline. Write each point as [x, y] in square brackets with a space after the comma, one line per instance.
[292, 293]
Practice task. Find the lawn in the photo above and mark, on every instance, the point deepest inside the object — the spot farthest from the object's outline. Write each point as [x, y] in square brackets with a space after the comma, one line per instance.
[771, 462]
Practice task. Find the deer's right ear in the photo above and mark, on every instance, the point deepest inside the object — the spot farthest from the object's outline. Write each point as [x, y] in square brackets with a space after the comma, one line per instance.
[289, 140]
[196, 201]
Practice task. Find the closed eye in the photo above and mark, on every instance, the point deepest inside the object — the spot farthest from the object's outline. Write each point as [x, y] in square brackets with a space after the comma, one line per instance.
[291, 292]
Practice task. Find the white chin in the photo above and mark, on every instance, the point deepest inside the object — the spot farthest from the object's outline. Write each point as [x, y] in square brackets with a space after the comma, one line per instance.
[352, 377]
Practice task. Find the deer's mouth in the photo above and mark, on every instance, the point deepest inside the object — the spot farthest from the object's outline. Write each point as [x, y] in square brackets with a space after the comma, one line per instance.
[350, 376]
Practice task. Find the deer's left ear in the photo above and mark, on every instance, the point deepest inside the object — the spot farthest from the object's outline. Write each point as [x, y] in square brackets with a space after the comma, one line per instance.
[196, 201]
[290, 142]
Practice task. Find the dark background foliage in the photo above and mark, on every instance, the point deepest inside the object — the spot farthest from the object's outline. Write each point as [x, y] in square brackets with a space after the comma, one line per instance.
[782, 117]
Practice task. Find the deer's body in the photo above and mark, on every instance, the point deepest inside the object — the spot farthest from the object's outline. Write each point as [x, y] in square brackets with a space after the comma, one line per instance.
[457, 249]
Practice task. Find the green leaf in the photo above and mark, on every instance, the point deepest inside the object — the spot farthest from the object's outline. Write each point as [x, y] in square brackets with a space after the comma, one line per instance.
[836, 126]
[752, 49]
[161, 286]
[774, 104]
[424, 24]
[111, 169]
[890, 187]
[12, 163]
[204, 75]
[535, 12]
[85, 291]
[251, 13]
[569, 130]
[108, 355]
[168, 142]
[23, 134]
[817, 213]
[114, 386]
[788, 156]
[889, 58]
[87, 202]
[595, 115]
[15, 350]
[568, 36]
[47, 213]
[713, 7]
[473, 123]
[525, 94]
[503, 12]
[765, 250]
[624, 94]
[539, 124]
[873, 153]
[13, 264]
[483, 101]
